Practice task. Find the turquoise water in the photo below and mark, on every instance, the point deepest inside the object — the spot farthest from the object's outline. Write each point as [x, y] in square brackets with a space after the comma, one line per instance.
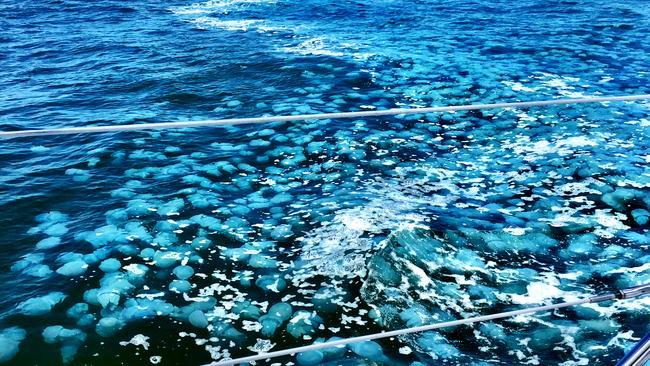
[194, 245]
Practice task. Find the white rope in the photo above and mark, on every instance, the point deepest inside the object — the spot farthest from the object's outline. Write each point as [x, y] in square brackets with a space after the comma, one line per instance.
[395, 333]
[622, 294]
[302, 117]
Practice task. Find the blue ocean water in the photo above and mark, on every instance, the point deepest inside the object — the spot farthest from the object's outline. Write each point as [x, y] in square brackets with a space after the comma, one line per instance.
[194, 245]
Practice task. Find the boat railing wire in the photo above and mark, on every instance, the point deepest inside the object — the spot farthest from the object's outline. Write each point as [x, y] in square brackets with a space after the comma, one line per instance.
[311, 117]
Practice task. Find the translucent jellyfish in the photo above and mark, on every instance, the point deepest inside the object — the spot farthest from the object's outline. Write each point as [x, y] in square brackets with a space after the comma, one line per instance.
[313, 357]
[108, 326]
[73, 268]
[128, 249]
[147, 253]
[545, 337]
[137, 309]
[201, 243]
[48, 243]
[110, 265]
[620, 197]
[597, 328]
[70, 339]
[10, 339]
[104, 235]
[239, 254]
[641, 216]
[135, 273]
[198, 319]
[166, 259]
[113, 285]
[27, 260]
[327, 297]
[39, 149]
[38, 270]
[262, 261]
[246, 168]
[31, 265]
[282, 232]
[271, 283]
[52, 217]
[78, 175]
[369, 349]
[303, 323]
[437, 346]
[77, 310]
[228, 331]
[86, 320]
[281, 198]
[117, 216]
[183, 272]
[136, 230]
[56, 230]
[172, 207]
[415, 316]
[165, 239]
[180, 286]
[41, 305]
[259, 143]
[333, 352]
[107, 297]
[246, 310]
[494, 331]
[581, 245]
[277, 314]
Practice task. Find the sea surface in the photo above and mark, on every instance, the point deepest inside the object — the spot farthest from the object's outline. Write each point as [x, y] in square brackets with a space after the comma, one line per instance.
[188, 246]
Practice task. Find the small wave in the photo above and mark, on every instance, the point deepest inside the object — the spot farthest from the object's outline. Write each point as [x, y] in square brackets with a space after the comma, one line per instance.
[319, 46]
[212, 6]
[189, 11]
[313, 46]
[231, 25]
[206, 15]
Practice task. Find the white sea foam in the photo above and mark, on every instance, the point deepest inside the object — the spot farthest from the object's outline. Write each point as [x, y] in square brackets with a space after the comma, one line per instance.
[519, 87]
[230, 25]
[262, 346]
[322, 46]
[208, 14]
[533, 151]
[538, 292]
[216, 6]
[576, 141]
[565, 86]
[138, 340]
[313, 46]
[516, 231]
[341, 247]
